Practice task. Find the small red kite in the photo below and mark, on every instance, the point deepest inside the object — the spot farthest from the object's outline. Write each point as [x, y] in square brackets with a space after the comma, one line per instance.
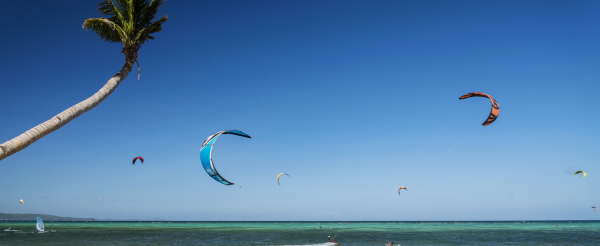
[139, 157]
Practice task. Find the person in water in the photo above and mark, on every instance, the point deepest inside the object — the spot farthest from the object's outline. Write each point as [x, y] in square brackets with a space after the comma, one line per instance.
[330, 239]
[391, 244]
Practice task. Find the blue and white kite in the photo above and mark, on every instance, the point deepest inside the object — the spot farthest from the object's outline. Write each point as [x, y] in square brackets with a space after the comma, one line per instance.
[206, 154]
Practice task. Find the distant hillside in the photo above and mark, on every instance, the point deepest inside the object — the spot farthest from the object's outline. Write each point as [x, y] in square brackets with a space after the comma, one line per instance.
[150, 219]
[45, 217]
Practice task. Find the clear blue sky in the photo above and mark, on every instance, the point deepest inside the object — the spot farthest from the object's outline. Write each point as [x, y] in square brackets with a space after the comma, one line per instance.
[341, 95]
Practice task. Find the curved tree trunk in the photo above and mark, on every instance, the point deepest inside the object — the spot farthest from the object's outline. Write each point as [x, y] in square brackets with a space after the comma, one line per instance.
[22, 141]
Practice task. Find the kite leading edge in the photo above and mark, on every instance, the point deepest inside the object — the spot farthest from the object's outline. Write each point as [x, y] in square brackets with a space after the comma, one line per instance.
[139, 157]
[280, 176]
[584, 174]
[401, 188]
[495, 107]
[206, 154]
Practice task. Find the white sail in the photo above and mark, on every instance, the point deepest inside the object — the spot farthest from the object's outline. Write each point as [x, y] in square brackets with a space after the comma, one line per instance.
[40, 224]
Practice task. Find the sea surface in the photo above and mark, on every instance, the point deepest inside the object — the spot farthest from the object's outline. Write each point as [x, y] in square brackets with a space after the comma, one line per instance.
[304, 233]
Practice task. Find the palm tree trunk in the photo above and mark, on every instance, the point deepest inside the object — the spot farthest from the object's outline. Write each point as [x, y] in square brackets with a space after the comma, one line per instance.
[22, 141]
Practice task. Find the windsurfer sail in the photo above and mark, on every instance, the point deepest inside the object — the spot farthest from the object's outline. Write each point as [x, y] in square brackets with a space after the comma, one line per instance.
[39, 225]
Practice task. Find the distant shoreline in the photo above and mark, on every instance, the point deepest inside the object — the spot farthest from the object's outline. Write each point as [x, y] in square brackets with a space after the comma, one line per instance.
[45, 217]
[317, 222]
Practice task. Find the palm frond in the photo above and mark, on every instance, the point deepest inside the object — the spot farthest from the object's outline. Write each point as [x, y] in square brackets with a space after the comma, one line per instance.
[131, 22]
[144, 34]
[120, 8]
[105, 8]
[149, 11]
[105, 28]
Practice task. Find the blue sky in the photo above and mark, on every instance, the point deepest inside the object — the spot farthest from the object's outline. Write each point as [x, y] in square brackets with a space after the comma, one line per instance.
[353, 99]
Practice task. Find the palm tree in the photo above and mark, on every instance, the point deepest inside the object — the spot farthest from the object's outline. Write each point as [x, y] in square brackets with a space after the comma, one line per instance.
[130, 23]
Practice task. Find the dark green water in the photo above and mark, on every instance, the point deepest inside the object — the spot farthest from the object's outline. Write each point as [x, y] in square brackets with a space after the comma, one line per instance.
[303, 233]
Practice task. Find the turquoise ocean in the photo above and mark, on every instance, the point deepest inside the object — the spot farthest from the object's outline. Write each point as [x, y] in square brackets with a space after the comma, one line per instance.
[304, 233]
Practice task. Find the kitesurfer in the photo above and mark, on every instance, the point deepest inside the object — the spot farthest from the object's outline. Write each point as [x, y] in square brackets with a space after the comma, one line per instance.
[391, 244]
[330, 239]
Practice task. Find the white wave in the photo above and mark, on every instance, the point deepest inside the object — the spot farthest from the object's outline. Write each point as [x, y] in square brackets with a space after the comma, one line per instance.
[319, 244]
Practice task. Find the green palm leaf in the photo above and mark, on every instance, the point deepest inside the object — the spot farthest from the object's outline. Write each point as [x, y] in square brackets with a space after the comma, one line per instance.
[128, 22]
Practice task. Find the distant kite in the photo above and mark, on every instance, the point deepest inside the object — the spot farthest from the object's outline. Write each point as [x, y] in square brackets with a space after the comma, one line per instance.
[584, 174]
[401, 188]
[495, 107]
[21, 201]
[594, 208]
[280, 176]
[206, 154]
[139, 157]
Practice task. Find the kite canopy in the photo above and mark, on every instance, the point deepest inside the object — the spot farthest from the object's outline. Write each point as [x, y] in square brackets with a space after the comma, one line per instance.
[401, 188]
[139, 157]
[280, 176]
[495, 107]
[21, 201]
[584, 174]
[594, 208]
[206, 154]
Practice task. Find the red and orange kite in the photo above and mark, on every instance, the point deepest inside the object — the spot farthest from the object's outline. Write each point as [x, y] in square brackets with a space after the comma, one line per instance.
[495, 107]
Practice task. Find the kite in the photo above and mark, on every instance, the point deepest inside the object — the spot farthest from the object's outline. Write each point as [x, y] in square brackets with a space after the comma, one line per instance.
[139, 157]
[401, 187]
[206, 154]
[594, 208]
[21, 201]
[280, 176]
[495, 107]
[578, 172]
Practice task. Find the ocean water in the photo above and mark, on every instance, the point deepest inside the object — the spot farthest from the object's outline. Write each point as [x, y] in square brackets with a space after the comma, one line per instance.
[303, 233]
